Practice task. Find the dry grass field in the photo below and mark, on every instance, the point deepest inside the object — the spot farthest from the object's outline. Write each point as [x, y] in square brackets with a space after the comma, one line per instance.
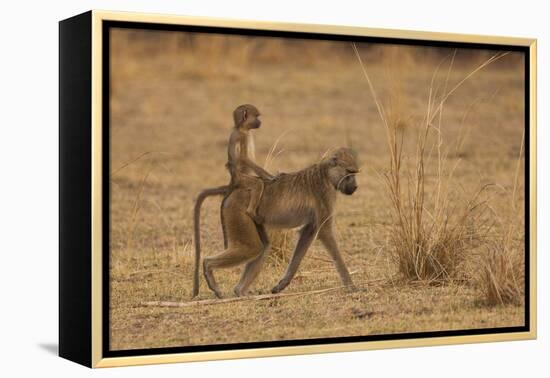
[172, 97]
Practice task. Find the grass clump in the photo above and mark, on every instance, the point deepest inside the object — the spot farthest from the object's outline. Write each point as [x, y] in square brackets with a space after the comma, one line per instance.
[502, 274]
[432, 230]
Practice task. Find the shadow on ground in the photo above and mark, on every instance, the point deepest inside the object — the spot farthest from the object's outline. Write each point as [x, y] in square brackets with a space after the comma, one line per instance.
[51, 348]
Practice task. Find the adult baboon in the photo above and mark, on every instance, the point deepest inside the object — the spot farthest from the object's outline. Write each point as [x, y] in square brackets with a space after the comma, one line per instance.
[303, 199]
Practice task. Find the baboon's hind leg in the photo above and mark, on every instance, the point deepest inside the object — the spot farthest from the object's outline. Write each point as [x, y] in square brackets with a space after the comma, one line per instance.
[253, 267]
[222, 220]
[228, 258]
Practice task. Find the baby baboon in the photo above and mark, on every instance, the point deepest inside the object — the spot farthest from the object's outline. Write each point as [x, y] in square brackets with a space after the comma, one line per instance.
[239, 164]
[305, 198]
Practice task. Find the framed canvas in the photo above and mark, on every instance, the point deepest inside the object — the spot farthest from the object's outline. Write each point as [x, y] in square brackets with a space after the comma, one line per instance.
[235, 189]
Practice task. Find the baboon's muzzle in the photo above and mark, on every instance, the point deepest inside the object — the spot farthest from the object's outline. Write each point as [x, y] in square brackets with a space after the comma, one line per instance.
[350, 189]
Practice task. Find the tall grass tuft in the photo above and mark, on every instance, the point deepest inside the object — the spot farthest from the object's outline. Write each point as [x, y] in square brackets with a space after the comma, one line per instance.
[502, 274]
[432, 230]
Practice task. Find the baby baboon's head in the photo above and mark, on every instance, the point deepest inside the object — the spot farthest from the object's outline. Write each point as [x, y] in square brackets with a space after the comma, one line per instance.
[342, 168]
[246, 117]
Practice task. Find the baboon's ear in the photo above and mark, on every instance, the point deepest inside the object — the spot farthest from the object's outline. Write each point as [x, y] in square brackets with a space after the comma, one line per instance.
[239, 116]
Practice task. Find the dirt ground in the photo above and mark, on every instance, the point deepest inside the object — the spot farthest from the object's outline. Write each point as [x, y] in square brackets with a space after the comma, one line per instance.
[172, 96]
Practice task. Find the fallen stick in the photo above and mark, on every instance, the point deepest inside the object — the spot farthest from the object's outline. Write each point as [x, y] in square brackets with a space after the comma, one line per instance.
[236, 299]
[313, 272]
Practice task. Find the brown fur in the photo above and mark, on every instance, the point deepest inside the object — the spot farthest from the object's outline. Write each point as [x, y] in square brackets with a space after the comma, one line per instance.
[303, 199]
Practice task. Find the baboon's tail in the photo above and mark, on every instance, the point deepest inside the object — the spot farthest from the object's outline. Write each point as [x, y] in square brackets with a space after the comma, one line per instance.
[221, 190]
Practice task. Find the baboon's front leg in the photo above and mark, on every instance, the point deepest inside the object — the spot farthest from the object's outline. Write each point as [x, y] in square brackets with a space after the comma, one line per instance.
[326, 235]
[253, 267]
[307, 235]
